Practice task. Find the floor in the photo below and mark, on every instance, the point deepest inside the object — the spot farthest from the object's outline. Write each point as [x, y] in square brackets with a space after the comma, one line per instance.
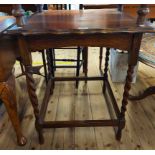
[86, 102]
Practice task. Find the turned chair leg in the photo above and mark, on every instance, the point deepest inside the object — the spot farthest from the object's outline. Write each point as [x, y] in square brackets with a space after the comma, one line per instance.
[9, 99]
[125, 101]
[100, 57]
[106, 68]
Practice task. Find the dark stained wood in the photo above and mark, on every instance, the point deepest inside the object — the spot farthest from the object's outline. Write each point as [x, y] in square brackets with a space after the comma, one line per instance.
[106, 68]
[105, 40]
[118, 7]
[77, 78]
[133, 58]
[125, 101]
[98, 6]
[27, 62]
[85, 58]
[78, 61]
[67, 28]
[80, 22]
[79, 123]
[100, 57]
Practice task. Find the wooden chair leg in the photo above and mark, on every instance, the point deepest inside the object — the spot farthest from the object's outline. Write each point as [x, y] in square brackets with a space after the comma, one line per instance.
[9, 99]
[100, 57]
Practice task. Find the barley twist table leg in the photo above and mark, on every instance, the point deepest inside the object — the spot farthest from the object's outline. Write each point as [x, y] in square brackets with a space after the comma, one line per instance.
[125, 101]
[34, 101]
[100, 57]
[106, 68]
[27, 62]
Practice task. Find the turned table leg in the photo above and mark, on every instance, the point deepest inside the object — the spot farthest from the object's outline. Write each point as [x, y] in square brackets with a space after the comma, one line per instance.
[125, 101]
[106, 68]
[27, 62]
[34, 100]
[100, 58]
[132, 62]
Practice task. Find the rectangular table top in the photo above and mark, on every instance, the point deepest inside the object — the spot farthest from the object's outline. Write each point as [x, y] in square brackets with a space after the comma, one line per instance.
[83, 22]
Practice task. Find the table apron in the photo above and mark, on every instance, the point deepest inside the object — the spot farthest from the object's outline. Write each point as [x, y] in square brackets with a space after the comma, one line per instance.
[121, 41]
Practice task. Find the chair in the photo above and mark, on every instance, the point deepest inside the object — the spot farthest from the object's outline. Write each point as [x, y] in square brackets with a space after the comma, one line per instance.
[147, 56]
[101, 6]
[80, 50]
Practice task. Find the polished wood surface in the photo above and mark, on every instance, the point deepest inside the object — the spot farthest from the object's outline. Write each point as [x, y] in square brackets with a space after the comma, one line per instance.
[78, 61]
[100, 6]
[69, 21]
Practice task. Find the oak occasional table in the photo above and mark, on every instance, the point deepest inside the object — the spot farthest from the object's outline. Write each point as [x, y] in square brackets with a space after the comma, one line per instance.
[101, 28]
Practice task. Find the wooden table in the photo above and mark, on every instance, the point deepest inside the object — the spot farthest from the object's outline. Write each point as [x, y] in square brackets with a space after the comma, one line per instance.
[102, 28]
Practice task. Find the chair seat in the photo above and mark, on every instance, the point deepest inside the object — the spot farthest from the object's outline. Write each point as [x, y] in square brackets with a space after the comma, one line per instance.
[147, 50]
